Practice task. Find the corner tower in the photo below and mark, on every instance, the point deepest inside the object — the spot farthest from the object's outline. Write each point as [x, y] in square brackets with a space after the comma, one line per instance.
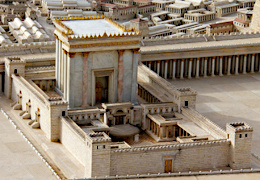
[240, 134]
[96, 61]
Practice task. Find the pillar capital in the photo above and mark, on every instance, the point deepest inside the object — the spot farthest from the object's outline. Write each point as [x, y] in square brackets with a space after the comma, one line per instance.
[237, 55]
[182, 59]
[191, 59]
[166, 61]
[206, 58]
[245, 54]
[174, 60]
[214, 57]
[198, 59]
[229, 56]
[85, 54]
[221, 57]
[253, 54]
[72, 55]
[136, 50]
[121, 52]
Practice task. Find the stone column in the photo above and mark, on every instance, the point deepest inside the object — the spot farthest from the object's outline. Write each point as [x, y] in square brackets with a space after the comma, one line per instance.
[229, 65]
[236, 66]
[213, 67]
[190, 68]
[173, 69]
[182, 69]
[205, 67]
[134, 78]
[220, 66]
[158, 68]
[120, 76]
[244, 66]
[62, 71]
[198, 68]
[253, 63]
[149, 64]
[57, 61]
[68, 78]
[166, 69]
[85, 80]
[65, 75]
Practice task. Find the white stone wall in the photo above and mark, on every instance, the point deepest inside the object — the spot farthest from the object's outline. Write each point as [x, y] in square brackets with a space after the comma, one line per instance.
[18, 84]
[72, 140]
[128, 75]
[188, 158]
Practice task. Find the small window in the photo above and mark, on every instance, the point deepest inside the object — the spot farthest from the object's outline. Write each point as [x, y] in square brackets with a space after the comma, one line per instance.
[63, 113]
[15, 71]
[97, 147]
[104, 146]
[245, 135]
[186, 103]
[240, 135]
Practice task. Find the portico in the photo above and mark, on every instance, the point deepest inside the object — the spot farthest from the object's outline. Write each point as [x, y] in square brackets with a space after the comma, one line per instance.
[96, 63]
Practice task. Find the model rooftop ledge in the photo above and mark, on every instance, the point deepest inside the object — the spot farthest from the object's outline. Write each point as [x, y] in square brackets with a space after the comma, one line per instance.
[92, 27]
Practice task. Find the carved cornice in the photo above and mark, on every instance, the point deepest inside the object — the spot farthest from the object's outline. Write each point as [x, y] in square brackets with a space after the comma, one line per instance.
[72, 55]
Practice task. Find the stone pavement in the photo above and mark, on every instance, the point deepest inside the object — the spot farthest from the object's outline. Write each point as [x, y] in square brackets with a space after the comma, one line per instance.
[65, 165]
[17, 158]
[228, 99]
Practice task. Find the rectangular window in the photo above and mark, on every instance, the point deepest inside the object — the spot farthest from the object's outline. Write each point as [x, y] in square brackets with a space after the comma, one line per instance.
[245, 135]
[186, 103]
[240, 135]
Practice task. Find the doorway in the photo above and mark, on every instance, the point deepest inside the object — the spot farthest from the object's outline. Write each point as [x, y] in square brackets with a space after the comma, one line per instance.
[168, 166]
[101, 89]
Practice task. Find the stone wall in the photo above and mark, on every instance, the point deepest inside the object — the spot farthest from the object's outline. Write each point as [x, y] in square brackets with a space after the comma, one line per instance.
[204, 122]
[37, 101]
[73, 139]
[185, 157]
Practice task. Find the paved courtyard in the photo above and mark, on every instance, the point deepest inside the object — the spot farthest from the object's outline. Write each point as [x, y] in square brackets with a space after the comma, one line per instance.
[17, 158]
[228, 99]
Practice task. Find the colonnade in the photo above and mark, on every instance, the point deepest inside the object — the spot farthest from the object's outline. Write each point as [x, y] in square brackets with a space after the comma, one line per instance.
[206, 66]
[146, 95]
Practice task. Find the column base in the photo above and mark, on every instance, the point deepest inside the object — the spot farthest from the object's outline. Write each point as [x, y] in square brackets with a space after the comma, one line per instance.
[221, 75]
[244, 73]
[213, 75]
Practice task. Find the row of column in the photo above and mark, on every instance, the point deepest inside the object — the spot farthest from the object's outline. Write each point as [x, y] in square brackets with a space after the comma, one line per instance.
[144, 94]
[206, 66]
[62, 66]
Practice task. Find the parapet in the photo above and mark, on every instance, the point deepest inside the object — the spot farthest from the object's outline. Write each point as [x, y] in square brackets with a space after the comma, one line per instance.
[239, 127]
[98, 137]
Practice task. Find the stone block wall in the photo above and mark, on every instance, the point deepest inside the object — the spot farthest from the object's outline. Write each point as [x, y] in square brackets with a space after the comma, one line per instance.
[73, 139]
[185, 157]
[37, 102]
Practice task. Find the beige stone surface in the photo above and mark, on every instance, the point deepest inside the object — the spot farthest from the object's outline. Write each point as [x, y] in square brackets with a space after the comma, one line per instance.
[229, 99]
[17, 158]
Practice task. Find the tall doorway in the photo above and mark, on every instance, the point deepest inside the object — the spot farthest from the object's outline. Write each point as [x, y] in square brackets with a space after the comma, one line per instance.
[168, 166]
[101, 89]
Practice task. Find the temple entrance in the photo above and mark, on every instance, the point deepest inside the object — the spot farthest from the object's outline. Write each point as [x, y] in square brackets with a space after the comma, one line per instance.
[101, 89]
[168, 166]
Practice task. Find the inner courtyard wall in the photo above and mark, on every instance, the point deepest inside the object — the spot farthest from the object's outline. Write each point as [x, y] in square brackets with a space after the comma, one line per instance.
[196, 156]
[28, 93]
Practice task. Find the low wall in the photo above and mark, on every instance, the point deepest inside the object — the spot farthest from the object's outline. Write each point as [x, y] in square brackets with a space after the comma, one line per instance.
[37, 101]
[204, 122]
[73, 138]
[184, 156]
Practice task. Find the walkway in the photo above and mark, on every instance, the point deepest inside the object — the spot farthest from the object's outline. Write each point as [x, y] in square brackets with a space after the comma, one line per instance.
[17, 158]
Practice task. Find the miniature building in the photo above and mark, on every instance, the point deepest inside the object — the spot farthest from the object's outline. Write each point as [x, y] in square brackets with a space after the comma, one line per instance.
[107, 99]
[27, 31]
[96, 76]
[225, 27]
[199, 15]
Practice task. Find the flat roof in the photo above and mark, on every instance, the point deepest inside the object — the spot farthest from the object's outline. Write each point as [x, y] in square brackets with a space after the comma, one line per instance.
[93, 27]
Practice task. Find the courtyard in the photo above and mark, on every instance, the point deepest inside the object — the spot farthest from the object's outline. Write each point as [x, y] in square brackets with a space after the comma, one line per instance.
[229, 99]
